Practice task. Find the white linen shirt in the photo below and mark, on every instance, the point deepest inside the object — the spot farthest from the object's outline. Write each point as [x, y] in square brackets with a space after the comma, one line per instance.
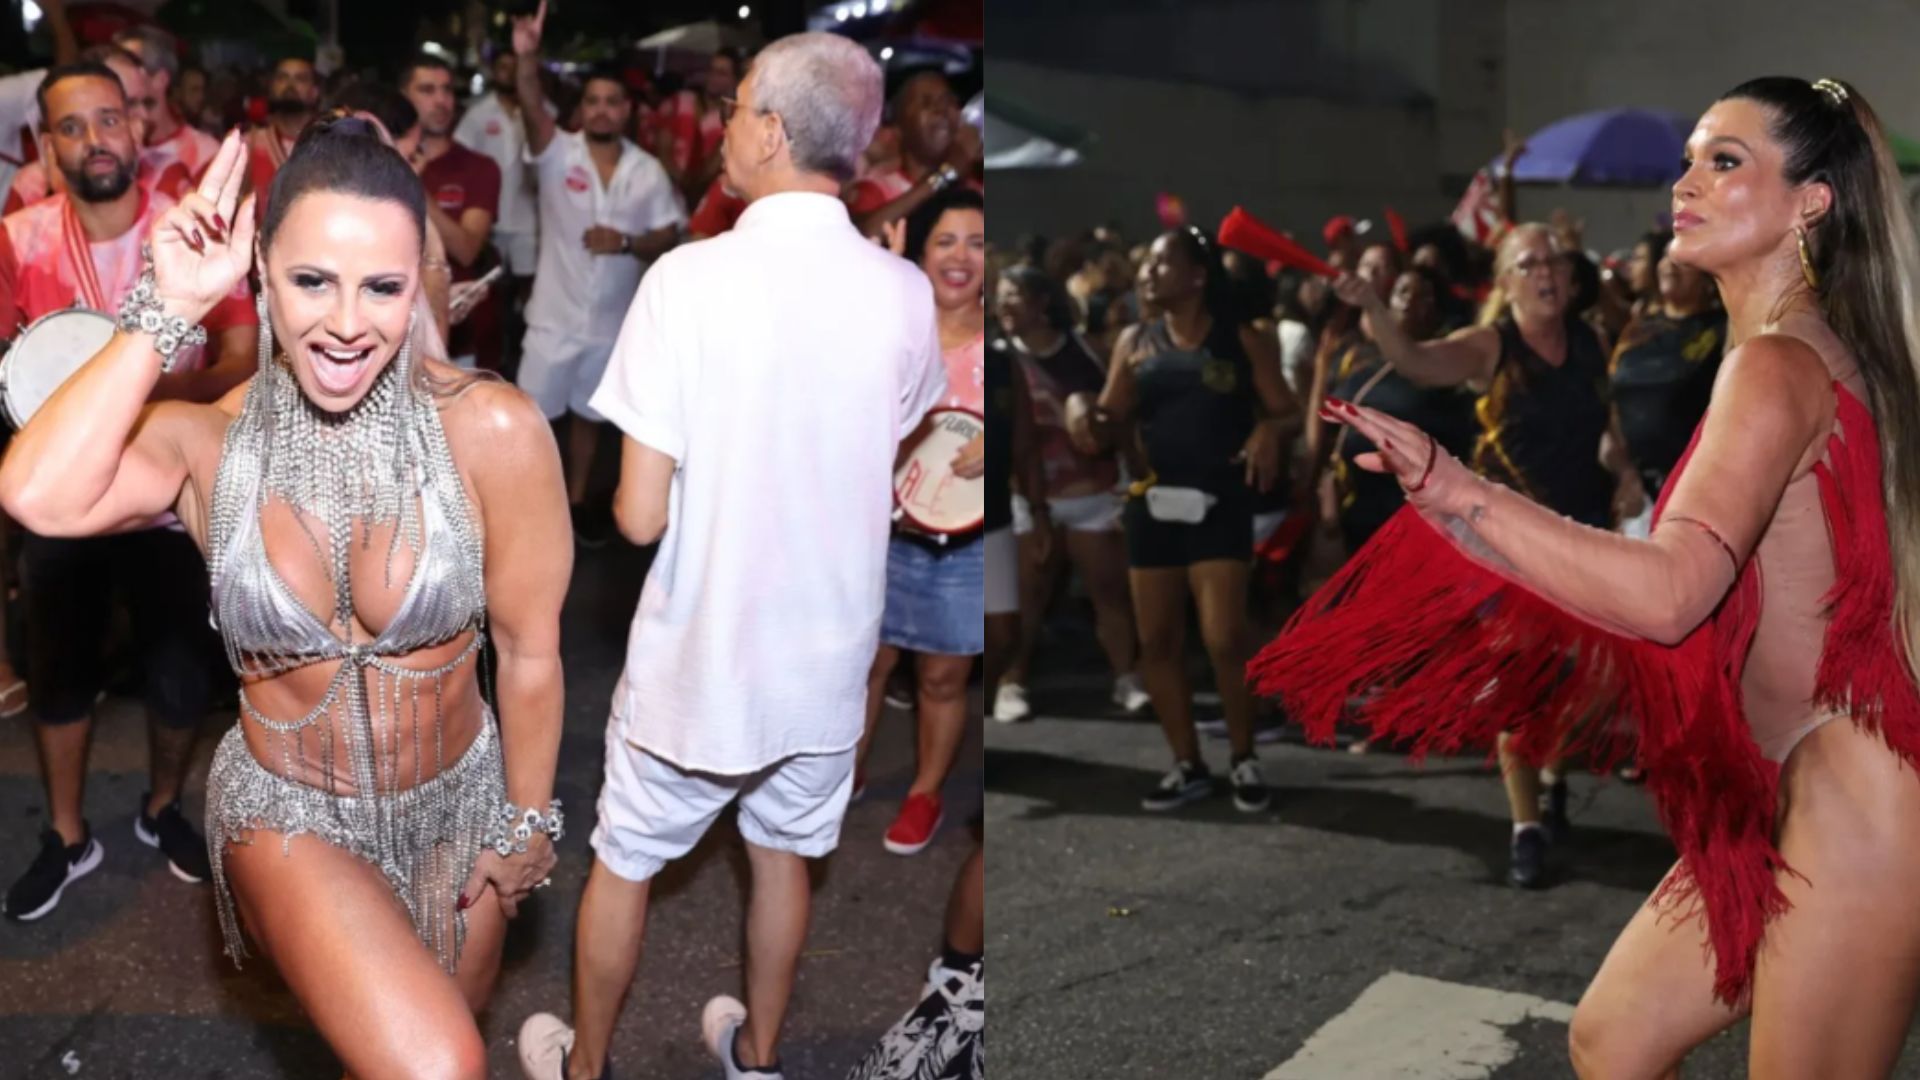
[575, 291]
[780, 364]
[488, 128]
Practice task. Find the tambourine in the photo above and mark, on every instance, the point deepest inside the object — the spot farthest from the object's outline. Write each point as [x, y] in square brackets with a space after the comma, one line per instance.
[47, 354]
[927, 496]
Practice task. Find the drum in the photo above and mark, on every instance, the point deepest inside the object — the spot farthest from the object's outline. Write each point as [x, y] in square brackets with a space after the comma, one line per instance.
[46, 355]
[927, 496]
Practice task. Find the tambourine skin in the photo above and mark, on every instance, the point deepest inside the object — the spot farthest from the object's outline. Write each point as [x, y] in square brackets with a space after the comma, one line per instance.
[931, 460]
[47, 354]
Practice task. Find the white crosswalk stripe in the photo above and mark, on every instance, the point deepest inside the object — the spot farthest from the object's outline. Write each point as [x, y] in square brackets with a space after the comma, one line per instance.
[1414, 1028]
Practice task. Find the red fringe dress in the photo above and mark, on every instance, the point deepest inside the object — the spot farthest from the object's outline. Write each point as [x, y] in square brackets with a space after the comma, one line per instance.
[1442, 653]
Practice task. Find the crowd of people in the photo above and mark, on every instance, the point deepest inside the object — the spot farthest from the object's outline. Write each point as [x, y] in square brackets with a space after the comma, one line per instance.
[1648, 510]
[1176, 370]
[364, 340]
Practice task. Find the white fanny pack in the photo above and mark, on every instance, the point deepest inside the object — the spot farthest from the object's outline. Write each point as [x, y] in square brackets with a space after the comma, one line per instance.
[1185, 506]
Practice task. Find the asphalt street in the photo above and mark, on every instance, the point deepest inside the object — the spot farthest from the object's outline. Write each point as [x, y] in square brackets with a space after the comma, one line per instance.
[1359, 928]
[125, 979]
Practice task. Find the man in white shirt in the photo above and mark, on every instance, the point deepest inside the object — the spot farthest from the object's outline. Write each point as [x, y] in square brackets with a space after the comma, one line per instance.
[764, 381]
[607, 209]
[492, 127]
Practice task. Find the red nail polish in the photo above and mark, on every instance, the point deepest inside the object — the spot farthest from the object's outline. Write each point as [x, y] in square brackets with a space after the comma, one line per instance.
[219, 223]
[1337, 403]
[462, 905]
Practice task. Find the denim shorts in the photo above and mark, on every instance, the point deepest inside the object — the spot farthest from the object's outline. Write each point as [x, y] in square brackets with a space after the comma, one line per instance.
[935, 597]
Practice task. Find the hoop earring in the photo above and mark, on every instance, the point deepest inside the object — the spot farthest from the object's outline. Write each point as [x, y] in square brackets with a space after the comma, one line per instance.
[1806, 262]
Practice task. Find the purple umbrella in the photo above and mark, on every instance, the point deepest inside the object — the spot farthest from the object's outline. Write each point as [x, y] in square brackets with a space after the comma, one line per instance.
[1607, 148]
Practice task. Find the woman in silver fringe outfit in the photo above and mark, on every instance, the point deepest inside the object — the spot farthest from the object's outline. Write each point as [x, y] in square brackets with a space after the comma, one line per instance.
[369, 514]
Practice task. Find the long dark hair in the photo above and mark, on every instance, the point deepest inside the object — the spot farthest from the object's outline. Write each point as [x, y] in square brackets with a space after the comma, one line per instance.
[1864, 260]
[1203, 250]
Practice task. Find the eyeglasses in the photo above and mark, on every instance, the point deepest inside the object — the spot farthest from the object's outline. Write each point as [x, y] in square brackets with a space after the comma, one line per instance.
[728, 106]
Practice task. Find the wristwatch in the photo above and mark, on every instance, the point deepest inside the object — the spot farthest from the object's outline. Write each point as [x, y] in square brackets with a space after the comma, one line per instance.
[945, 178]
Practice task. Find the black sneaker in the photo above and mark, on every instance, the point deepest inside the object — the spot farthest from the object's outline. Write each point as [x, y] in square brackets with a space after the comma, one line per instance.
[1530, 849]
[1188, 782]
[592, 527]
[1249, 786]
[1553, 812]
[56, 867]
[178, 840]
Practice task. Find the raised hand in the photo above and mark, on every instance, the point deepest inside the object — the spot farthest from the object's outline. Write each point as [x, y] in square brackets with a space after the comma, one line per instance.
[526, 31]
[970, 463]
[1434, 480]
[203, 245]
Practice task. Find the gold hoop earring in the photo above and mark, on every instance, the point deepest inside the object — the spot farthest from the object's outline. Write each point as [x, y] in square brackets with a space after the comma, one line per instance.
[1806, 262]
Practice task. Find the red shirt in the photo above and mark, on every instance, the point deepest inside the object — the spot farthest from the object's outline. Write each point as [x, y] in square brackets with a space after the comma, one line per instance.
[696, 133]
[38, 275]
[266, 152]
[458, 180]
[717, 212]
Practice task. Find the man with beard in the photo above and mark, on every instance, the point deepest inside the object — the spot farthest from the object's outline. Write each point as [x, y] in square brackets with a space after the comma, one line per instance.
[176, 153]
[292, 96]
[607, 210]
[84, 245]
[463, 196]
[492, 127]
[937, 150]
[35, 184]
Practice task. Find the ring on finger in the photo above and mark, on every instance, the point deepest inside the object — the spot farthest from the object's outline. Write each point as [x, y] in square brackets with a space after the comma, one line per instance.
[544, 882]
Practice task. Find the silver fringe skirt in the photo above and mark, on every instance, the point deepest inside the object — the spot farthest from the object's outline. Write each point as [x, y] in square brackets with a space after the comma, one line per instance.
[424, 839]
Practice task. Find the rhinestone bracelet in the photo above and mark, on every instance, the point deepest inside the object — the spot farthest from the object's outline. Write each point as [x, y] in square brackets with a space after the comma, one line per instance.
[142, 313]
[515, 827]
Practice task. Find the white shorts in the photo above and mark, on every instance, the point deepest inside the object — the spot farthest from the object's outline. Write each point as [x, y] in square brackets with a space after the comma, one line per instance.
[1003, 572]
[1098, 512]
[653, 812]
[520, 251]
[560, 372]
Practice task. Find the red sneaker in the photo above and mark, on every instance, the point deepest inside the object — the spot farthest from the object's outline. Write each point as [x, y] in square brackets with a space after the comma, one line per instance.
[913, 830]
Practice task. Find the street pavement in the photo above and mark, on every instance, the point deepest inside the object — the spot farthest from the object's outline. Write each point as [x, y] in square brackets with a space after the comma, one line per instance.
[125, 979]
[1361, 928]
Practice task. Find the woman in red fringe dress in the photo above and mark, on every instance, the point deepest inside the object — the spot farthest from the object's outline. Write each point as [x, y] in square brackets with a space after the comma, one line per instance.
[1779, 591]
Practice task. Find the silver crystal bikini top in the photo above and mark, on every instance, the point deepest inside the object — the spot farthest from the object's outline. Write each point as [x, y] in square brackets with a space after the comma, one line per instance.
[269, 630]
[266, 622]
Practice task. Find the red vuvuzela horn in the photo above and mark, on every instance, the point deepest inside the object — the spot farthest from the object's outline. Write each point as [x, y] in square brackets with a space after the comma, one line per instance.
[1399, 230]
[1245, 233]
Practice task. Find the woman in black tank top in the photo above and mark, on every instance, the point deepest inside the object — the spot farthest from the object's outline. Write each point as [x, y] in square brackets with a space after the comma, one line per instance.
[1545, 422]
[1663, 371]
[1201, 399]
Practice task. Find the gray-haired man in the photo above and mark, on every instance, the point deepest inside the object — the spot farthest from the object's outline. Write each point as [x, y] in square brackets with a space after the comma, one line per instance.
[747, 661]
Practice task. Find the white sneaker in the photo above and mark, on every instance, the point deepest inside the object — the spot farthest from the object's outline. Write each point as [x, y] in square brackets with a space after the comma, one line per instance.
[545, 1040]
[718, 1022]
[1010, 704]
[1129, 694]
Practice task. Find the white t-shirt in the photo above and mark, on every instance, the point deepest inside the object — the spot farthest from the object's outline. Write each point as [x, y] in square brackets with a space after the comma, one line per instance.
[19, 117]
[488, 128]
[575, 291]
[780, 364]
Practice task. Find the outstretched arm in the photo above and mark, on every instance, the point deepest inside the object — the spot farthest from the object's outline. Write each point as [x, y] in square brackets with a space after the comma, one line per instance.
[1460, 357]
[526, 78]
[1770, 407]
